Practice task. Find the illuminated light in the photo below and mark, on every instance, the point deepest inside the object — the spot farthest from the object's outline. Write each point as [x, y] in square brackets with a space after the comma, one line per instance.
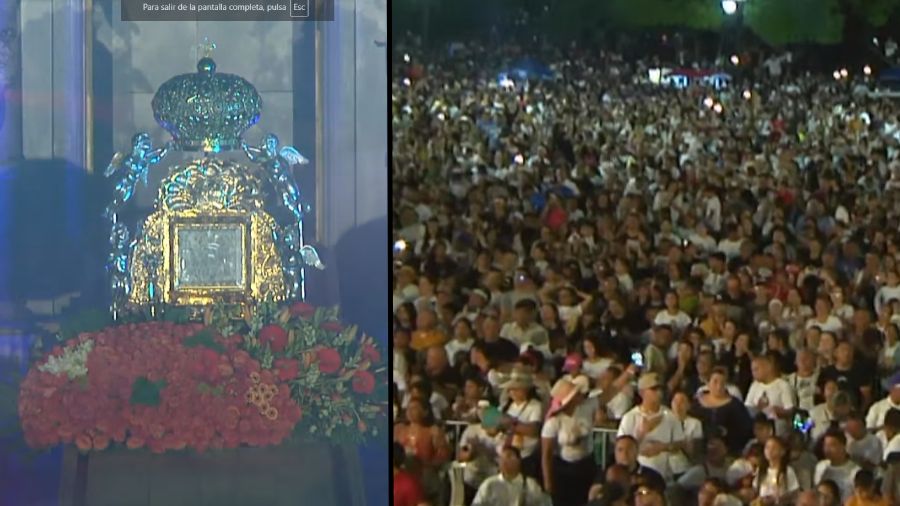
[875, 40]
[655, 75]
[747, 94]
[400, 245]
[520, 159]
[441, 116]
[407, 82]
[718, 108]
[406, 58]
[708, 102]
[729, 6]
[867, 70]
[837, 75]
[844, 73]
[735, 60]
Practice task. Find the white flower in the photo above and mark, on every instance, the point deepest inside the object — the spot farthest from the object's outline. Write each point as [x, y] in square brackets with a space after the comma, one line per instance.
[73, 361]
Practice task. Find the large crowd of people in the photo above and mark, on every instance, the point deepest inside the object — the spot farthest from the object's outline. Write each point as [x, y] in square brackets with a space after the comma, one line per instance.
[705, 282]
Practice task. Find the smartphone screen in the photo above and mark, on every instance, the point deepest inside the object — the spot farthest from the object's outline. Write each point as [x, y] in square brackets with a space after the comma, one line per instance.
[637, 359]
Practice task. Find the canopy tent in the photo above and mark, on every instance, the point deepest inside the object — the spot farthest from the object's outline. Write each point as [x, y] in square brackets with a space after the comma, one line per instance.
[527, 69]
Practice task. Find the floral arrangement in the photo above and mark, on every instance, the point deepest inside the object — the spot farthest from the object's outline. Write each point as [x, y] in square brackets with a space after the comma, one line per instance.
[284, 372]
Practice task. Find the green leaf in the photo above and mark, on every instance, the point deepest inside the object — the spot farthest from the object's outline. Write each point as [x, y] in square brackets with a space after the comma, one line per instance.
[146, 392]
[176, 314]
[204, 338]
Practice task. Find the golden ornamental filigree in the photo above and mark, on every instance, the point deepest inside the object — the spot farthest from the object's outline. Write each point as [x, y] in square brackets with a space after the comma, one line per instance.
[209, 240]
[211, 184]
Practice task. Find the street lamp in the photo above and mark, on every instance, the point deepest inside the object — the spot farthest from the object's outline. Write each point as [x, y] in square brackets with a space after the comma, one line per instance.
[729, 6]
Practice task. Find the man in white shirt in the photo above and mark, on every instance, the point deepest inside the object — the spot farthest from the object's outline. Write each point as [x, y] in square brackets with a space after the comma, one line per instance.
[875, 417]
[510, 487]
[524, 331]
[803, 382]
[837, 465]
[770, 394]
[656, 429]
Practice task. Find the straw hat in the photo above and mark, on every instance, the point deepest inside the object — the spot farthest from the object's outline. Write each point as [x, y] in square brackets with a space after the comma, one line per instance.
[518, 378]
[648, 380]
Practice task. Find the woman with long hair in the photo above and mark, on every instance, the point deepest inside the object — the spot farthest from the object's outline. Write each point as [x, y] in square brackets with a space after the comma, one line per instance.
[775, 481]
[425, 443]
[595, 360]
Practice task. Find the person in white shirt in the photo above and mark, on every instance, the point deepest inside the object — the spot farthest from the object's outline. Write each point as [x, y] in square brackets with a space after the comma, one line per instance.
[863, 447]
[712, 212]
[770, 394]
[837, 465]
[890, 291]
[891, 433]
[673, 316]
[658, 432]
[831, 413]
[731, 245]
[567, 446]
[803, 381]
[510, 487]
[875, 417]
[522, 416]
[462, 341]
[775, 480]
[524, 331]
[823, 318]
[693, 434]
[477, 449]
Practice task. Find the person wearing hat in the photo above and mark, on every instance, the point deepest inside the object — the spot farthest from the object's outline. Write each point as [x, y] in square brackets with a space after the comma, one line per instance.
[522, 416]
[478, 448]
[658, 432]
[567, 445]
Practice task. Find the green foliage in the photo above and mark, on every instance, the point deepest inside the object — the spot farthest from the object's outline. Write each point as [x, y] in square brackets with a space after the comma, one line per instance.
[780, 22]
[876, 13]
[694, 14]
[205, 338]
[146, 392]
[86, 321]
[777, 22]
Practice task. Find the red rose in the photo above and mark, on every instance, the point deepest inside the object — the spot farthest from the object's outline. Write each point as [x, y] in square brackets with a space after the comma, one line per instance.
[363, 382]
[332, 326]
[287, 369]
[329, 360]
[303, 310]
[370, 353]
[275, 336]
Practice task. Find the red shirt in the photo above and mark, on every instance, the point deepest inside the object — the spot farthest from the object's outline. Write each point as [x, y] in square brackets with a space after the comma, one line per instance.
[407, 491]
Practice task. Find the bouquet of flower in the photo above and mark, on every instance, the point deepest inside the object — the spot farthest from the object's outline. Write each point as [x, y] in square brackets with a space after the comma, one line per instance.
[170, 386]
[342, 380]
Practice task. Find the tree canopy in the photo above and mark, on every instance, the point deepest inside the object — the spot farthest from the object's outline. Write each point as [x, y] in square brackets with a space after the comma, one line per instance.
[776, 22]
